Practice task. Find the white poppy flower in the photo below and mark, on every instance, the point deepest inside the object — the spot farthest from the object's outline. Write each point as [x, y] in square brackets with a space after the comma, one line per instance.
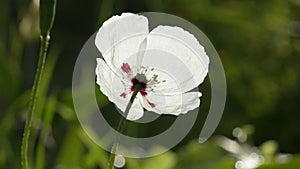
[167, 62]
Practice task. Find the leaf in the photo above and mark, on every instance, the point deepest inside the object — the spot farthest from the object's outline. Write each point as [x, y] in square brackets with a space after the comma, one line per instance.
[166, 160]
[46, 128]
[204, 156]
[293, 164]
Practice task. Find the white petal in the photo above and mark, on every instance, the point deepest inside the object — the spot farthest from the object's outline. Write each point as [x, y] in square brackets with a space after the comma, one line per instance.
[185, 48]
[104, 77]
[141, 53]
[175, 105]
[136, 111]
[173, 76]
[120, 37]
[111, 85]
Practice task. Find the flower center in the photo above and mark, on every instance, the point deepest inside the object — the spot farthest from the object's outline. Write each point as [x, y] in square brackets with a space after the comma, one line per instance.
[139, 81]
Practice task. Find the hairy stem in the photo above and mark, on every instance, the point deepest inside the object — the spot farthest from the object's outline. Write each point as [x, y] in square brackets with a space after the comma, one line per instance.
[121, 126]
[34, 95]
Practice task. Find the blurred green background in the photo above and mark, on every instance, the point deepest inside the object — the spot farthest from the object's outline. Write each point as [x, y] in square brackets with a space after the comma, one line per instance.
[258, 43]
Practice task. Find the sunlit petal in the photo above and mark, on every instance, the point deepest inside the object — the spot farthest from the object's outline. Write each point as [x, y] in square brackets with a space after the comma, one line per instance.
[112, 86]
[175, 105]
[120, 37]
[184, 47]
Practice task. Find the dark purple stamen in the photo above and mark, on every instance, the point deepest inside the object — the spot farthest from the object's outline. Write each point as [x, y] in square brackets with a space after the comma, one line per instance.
[134, 82]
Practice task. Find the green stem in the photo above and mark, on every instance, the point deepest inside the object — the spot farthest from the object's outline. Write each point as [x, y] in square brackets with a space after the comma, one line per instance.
[34, 95]
[121, 126]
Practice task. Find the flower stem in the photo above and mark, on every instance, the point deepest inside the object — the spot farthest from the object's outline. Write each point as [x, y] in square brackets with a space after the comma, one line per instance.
[121, 126]
[34, 95]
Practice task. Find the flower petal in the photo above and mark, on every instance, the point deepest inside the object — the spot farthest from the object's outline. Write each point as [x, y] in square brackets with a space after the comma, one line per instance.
[175, 104]
[136, 111]
[172, 76]
[185, 48]
[120, 37]
[111, 85]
